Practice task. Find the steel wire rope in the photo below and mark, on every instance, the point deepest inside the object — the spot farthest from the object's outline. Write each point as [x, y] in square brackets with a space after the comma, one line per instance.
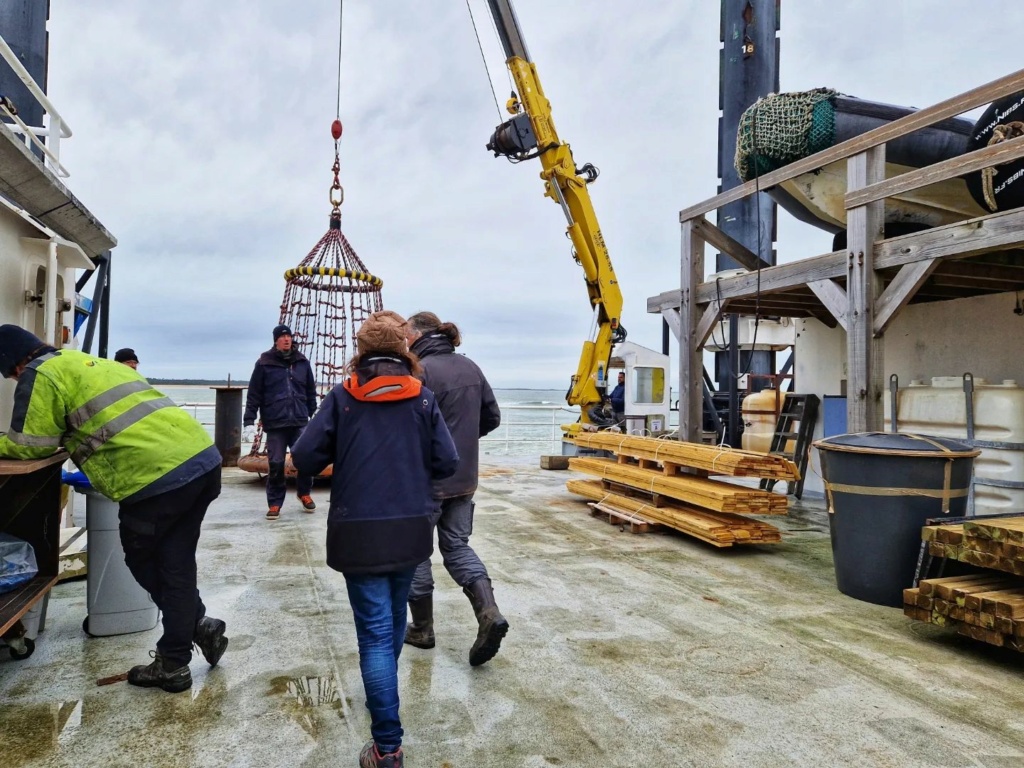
[483, 58]
[341, 24]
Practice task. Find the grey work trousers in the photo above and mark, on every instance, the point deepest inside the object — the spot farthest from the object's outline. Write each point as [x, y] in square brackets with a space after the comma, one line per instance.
[453, 519]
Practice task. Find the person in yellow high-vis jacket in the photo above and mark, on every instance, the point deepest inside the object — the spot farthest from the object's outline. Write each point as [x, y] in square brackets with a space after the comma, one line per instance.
[139, 449]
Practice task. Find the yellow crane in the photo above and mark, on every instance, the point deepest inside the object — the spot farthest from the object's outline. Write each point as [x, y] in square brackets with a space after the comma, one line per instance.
[531, 133]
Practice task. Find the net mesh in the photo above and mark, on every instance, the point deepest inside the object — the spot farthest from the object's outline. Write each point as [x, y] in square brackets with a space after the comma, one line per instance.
[782, 127]
[326, 299]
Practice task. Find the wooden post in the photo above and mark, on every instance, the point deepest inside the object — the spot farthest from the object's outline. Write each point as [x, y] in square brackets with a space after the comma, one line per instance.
[864, 351]
[691, 357]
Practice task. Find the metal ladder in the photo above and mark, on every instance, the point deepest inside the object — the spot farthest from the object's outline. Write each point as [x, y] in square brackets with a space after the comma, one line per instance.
[801, 410]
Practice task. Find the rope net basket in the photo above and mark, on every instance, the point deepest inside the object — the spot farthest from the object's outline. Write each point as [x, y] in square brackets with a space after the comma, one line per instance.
[326, 299]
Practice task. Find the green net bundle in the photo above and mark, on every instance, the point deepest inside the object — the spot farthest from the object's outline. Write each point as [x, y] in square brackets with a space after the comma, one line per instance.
[783, 127]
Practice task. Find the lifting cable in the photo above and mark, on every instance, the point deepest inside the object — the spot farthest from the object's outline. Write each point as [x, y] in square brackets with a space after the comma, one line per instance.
[479, 44]
[337, 192]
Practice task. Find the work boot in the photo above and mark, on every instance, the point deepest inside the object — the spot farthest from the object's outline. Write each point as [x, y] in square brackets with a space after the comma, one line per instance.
[493, 626]
[420, 633]
[370, 757]
[273, 513]
[157, 675]
[307, 503]
[209, 638]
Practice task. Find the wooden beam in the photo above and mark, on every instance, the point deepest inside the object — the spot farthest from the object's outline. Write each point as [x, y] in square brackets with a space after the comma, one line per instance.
[730, 247]
[974, 237]
[996, 232]
[957, 105]
[707, 321]
[691, 354]
[900, 291]
[778, 279]
[833, 297]
[932, 174]
[864, 351]
[671, 315]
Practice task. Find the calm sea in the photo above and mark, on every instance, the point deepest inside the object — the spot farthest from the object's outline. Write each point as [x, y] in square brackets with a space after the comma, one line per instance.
[530, 418]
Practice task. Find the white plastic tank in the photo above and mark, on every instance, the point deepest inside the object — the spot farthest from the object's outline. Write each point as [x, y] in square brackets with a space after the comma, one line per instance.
[760, 412]
[117, 604]
[940, 408]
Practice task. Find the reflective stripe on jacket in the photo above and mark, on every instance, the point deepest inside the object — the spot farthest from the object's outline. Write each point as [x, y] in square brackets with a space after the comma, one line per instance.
[121, 432]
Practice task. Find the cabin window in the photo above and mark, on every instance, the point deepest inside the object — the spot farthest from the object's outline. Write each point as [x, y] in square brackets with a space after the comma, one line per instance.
[648, 385]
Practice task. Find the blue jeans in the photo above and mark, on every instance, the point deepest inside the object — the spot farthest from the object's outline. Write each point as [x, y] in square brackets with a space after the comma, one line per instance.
[378, 607]
[453, 519]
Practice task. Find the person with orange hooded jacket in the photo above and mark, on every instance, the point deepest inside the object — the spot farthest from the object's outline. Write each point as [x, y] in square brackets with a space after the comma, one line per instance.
[385, 436]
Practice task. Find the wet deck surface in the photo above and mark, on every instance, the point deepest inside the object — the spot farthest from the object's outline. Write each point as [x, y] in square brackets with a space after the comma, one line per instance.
[625, 650]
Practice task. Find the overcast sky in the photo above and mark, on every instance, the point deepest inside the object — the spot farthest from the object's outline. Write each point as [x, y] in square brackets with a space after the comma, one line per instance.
[202, 142]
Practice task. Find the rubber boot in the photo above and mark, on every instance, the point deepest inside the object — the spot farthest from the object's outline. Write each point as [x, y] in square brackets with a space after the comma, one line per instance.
[493, 626]
[420, 632]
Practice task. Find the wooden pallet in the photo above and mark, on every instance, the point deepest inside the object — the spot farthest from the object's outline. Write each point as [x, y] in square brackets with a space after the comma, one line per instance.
[623, 518]
[673, 454]
[718, 529]
[699, 492]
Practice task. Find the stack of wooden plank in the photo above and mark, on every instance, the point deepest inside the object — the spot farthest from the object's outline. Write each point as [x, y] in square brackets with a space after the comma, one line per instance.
[996, 543]
[718, 529]
[695, 491]
[715, 460]
[985, 606]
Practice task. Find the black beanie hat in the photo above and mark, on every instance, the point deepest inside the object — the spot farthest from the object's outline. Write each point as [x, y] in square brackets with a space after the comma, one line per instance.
[125, 355]
[15, 345]
[282, 330]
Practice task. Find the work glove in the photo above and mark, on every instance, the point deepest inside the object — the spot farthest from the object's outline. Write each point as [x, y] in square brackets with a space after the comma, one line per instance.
[248, 433]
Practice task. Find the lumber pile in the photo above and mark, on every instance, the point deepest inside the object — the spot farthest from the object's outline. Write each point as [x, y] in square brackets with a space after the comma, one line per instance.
[984, 606]
[673, 454]
[996, 543]
[699, 492]
[718, 529]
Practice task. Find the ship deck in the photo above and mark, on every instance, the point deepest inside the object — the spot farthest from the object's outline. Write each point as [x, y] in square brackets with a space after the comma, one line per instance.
[624, 650]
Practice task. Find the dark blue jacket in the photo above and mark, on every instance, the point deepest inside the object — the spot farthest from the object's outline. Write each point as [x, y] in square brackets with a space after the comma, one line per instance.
[618, 398]
[467, 403]
[283, 391]
[386, 437]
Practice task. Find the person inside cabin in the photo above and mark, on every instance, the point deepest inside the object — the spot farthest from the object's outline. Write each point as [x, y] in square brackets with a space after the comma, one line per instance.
[138, 448]
[618, 398]
[128, 357]
[384, 434]
[470, 411]
[282, 391]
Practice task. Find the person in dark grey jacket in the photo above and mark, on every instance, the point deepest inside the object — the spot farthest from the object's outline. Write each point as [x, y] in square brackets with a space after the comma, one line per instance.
[282, 389]
[470, 411]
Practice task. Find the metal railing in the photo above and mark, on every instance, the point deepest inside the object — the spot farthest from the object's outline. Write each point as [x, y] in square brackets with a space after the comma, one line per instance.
[516, 428]
[558, 415]
[56, 128]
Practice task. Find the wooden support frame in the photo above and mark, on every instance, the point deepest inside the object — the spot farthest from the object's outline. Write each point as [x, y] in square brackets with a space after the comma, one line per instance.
[863, 309]
[691, 362]
[903, 287]
[833, 297]
[727, 245]
[864, 350]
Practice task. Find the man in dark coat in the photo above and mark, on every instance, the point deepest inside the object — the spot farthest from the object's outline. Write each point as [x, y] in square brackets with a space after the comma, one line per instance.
[385, 436]
[282, 389]
[470, 411]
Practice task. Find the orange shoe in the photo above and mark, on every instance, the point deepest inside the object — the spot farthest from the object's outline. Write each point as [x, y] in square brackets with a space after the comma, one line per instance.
[307, 503]
[273, 513]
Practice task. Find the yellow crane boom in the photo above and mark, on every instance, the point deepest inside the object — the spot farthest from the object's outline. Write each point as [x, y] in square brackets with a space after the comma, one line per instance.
[531, 133]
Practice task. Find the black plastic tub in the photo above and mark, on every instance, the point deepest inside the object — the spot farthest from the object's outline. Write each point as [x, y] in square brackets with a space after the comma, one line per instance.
[881, 487]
